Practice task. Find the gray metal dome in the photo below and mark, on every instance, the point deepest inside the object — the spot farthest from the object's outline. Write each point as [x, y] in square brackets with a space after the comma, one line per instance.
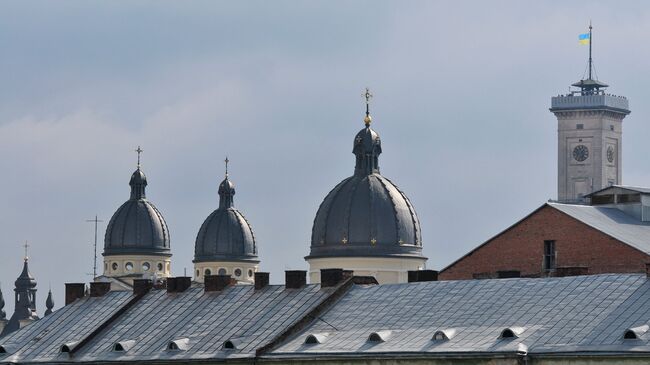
[225, 235]
[366, 214]
[137, 227]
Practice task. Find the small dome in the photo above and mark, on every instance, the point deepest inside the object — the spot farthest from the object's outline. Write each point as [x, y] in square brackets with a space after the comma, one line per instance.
[25, 280]
[137, 227]
[366, 214]
[225, 235]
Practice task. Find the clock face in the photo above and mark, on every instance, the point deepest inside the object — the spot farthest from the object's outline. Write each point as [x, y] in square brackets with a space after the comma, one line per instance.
[580, 153]
[610, 154]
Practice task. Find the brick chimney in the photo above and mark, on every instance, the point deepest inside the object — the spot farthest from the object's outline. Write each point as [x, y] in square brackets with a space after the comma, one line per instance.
[261, 280]
[217, 282]
[178, 284]
[295, 279]
[142, 286]
[98, 289]
[333, 277]
[74, 291]
[422, 275]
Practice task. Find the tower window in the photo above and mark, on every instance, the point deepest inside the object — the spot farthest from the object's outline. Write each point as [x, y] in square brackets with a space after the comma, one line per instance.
[146, 266]
[160, 266]
[237, 272]
[580, 126]
[129, 266]
[222, 271]
[611, 127]
[208, 272]
[549, 255]
[114, 266]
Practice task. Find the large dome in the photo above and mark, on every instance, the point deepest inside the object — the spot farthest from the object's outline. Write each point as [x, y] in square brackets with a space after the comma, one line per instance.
[366, 214]
[225, 235]
[137, 227]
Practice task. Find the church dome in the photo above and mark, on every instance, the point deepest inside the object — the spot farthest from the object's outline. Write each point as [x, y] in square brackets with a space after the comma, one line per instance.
[366, 215]
[137, 227]
[225, 235]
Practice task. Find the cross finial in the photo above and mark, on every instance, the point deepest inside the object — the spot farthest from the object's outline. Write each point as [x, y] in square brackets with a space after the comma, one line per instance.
[226, 161]
[26, 245]
[368, 96]
[139, 151]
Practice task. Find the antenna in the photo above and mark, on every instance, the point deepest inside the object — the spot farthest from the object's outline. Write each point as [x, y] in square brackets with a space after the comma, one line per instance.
[95, 246]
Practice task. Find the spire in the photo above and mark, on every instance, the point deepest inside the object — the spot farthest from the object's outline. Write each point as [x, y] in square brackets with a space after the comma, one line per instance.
[49, 303]
[226, 190]
[3, 314]
[138, 180]
[367, 145]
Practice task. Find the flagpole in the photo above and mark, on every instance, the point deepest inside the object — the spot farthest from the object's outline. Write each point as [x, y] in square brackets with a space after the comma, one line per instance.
[590, 41]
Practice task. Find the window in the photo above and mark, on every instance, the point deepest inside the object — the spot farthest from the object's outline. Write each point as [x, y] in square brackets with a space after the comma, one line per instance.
[114, 266]
[146, 266]
[237, 272]
[129, 266]
[208, 272]
[549, 255]
[222, 271]
[160, 266]
[580, 126]
[250, 273]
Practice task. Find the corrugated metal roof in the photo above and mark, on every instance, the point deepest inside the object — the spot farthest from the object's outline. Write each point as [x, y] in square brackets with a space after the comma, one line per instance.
[612, 222]
[585, 313]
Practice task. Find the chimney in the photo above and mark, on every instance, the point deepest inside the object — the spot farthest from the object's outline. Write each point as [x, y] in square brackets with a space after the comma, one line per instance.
[142, 286]
[217, 282]
[333, 277]
[178, 284]
[422, 275]
[261, 280]
[295, 279]
[98, 289]
[74, 291]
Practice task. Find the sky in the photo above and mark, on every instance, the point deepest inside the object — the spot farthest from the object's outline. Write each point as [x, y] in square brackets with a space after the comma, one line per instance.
[461, 97]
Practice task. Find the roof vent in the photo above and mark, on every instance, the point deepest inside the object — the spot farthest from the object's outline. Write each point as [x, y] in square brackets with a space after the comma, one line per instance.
[7, 349]
[180, 344]
[3, 350]
[69, 346]
[316, 338]
[123, 346]
[522, 349]
[233, 344]
[379, 336]
[635, 333]
[444, 335]
[512, 332]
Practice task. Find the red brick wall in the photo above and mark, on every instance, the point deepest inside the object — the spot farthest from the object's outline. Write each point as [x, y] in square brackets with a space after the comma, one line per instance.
[521, 247]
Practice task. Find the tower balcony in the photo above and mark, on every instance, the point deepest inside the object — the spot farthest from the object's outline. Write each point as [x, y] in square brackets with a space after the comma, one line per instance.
[576, 101]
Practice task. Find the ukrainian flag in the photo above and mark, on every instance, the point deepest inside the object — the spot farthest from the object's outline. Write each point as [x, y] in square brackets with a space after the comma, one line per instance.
[584, 38]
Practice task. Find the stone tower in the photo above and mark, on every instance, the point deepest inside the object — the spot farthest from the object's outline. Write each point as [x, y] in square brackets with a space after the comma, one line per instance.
[25, 301]
[590, 126]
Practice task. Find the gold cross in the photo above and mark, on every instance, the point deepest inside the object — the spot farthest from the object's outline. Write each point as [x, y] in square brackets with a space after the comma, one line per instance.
[368, 96]
[344, 240]
[373, 241]
[226, 161]
[139, 151]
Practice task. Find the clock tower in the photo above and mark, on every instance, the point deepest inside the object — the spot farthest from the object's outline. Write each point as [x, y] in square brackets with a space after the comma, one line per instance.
[590, 125]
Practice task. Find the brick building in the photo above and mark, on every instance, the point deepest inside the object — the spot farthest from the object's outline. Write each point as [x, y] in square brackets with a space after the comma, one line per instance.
[611, 234]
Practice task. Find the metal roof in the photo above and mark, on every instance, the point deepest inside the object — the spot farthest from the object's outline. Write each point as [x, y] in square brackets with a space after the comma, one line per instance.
[137, 227]
[612, 222]
[553, 315]
[571, 315]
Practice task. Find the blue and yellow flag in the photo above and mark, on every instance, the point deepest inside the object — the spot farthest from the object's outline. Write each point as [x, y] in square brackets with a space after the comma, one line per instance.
[584, 38]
